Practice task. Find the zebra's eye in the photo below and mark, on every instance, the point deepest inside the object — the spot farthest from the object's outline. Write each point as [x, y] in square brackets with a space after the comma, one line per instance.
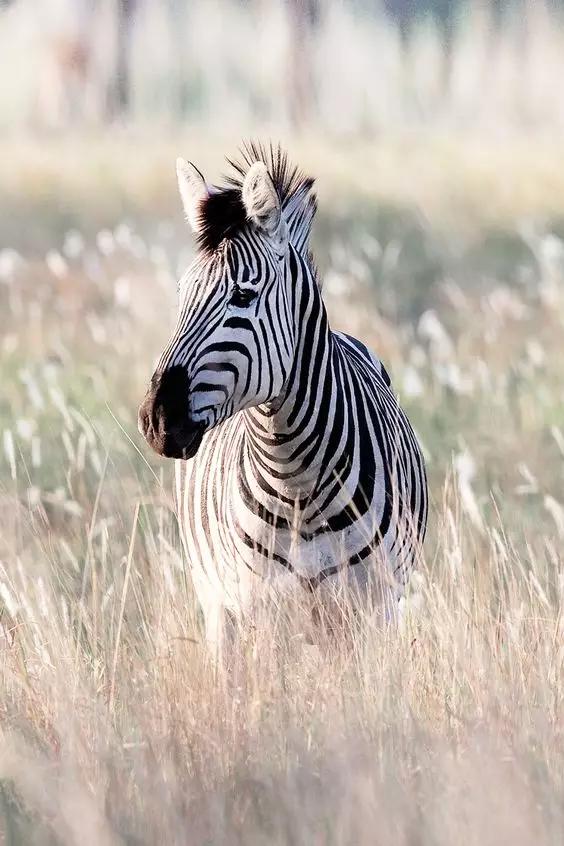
[242, 297]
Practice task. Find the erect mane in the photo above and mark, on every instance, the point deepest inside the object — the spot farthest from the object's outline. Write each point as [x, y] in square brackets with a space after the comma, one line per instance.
[223, 214]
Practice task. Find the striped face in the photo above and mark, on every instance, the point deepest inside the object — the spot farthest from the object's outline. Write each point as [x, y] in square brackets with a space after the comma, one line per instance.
[233, 345]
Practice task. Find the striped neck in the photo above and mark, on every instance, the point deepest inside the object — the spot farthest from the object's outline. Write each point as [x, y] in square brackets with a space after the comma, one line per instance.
[288, 438]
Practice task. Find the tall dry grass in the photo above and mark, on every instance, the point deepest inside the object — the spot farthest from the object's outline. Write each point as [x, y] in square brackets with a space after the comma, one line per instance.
[118, 729]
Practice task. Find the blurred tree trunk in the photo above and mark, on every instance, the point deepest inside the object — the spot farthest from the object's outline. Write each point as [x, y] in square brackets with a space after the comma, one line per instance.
[406, 14]
[66, 90]
[444, 13]
[515, 17]
[304, 18]
[402, 14]
[180, 93]
[119, 95]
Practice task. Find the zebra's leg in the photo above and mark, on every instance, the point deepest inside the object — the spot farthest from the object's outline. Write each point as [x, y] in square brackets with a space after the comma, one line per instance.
[221, 633]
[365, 595]
[213, 627]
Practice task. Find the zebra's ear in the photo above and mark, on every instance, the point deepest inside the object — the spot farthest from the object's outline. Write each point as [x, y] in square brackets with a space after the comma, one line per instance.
[262, 202]
[193, 191]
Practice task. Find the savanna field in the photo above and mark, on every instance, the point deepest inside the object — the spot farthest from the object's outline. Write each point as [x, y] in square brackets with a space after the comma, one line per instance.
[446, 255]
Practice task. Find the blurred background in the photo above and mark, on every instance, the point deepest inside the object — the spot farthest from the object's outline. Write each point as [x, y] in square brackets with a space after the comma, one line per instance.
[435, 131]
[343, 67]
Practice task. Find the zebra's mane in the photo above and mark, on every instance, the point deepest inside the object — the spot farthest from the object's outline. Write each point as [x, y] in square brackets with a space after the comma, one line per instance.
[223, 214]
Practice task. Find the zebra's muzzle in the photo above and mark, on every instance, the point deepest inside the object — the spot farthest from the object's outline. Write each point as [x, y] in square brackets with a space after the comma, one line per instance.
[183, 445]
[178, 442]
[164, 420]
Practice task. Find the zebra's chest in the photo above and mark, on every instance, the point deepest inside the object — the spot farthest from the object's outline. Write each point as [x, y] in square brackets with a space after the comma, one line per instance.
[236, 524]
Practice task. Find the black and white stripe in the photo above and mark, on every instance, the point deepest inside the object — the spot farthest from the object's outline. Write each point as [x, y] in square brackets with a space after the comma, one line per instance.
[303, 469]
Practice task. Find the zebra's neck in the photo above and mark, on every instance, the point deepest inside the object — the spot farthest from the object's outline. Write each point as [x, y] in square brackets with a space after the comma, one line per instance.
[289, 440]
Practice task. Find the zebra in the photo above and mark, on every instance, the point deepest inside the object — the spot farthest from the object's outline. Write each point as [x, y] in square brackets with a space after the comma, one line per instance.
[296, 467]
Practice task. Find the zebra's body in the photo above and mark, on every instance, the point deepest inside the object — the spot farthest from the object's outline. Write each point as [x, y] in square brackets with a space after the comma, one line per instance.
[306, 471]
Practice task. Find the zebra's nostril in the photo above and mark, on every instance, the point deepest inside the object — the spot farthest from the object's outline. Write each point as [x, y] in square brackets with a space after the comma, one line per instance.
[144, 421]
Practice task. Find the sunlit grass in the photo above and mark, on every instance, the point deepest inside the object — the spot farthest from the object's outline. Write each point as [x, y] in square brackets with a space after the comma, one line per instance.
[115, 726]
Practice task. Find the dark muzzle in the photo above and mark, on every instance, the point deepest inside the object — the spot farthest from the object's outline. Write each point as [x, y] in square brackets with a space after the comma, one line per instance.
[164, 419]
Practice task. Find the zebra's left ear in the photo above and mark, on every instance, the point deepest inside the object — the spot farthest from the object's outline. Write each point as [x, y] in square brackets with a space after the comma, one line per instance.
[262, 202]
[193, 190]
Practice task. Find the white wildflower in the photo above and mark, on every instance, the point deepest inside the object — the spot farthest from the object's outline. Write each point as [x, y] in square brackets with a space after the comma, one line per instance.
[390, 256]
[10, 452]
[25, 428]
[506, 304]
[531, 485]
[34, 394]
[68, 445]
[371, 247]
[105, 242]
[454, 554]
[336, 284]
[122, 291]
[58, 399]
[138, 247]
[556, 511]
[558, 437]
[10, 343]
[36, 451]
[535, 353]
[450, 375]
[33, 496]
[123, 235]
[158, 256]
[412, 384]
[107, 596]
[73, 508]
[359, 269]
[12, 606]
[97, 329]
[417, 356]
[538, 589]
[73, 244]
[431, 328]
[85, 425]
[465, 468]
[57, 264]
[10, 260]
[41, 594]
[499, 545]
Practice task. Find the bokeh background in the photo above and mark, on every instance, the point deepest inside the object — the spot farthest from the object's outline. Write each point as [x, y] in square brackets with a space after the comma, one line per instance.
[435, 132]
[353, 67]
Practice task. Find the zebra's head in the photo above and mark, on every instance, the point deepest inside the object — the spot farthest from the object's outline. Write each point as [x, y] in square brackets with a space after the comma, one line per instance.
[234, 342]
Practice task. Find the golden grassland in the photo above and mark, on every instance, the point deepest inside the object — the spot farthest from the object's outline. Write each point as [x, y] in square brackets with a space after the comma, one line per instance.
[456, 181]
[447, 257]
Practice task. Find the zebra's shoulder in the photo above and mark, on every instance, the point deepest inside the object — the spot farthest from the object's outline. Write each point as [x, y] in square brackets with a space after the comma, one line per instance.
[361, 353]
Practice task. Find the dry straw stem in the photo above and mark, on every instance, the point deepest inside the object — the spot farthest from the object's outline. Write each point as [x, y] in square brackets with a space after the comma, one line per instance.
[122, 606]
[451, 726]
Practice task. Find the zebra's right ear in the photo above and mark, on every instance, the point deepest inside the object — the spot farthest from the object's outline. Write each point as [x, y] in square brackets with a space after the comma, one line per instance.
[262, 202]
[193, 191]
